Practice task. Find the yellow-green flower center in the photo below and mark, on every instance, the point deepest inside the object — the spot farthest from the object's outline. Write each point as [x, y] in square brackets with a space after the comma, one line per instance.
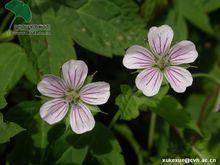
[72, 96]
[162, 62]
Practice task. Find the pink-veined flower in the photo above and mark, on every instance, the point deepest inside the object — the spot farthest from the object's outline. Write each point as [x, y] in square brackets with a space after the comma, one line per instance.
[70, 94]
[161, 61]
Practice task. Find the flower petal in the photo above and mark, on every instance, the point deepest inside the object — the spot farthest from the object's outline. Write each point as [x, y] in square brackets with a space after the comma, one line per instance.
[96, 93]
[54, 110]
[51, 86]
[149, 81]
[160, 39]
[138, 57]
[81, 119]
[179, 78]
[182, 53]
[74, 73]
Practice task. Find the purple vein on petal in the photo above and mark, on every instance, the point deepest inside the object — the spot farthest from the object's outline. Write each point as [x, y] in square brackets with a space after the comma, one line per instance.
[74, 79]
[80, 77]
[165, 44]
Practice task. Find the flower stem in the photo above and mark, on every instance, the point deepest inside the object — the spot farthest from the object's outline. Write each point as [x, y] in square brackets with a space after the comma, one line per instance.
[151, 130]
[115, 118]
[211, 77]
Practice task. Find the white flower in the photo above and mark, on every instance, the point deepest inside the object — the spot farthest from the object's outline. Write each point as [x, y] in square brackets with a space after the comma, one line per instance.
[69, 94]
[161, 61]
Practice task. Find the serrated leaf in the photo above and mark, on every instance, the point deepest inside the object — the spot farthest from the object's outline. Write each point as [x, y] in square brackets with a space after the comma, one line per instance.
[12, 67]
[8, 130]
[130, 101]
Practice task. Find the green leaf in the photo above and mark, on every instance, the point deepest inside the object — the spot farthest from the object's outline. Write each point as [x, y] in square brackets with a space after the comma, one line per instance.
[130, 101]
[162, 138]
[178, 23]
[12, 67]
[100, 144]
[106, 27]
[32, 149]
[151, 8]
[8, 130]
[20, 9]
[47, 53]
[3, 102]
[211, 5]
[197, 17]
[127, 134]
[171, 110]
[194, 105]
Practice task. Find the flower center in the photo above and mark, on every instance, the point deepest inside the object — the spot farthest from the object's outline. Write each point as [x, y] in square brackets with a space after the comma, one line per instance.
[72, 96]
[162, 62]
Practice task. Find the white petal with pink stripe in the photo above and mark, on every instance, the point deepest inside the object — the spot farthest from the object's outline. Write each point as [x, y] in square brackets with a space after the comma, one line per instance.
[182, 53]
[138, 57]
[179, 78]
[51, 86]
[74, 73]
[160, 39]
[54, 110]
[96, 93]
[81, 119]
[149, 81]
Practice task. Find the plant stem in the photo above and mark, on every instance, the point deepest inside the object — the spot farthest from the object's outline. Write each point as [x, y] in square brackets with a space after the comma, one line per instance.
[12, 23]
[207, 76]
[114, 119]
[5, 22]
[151, 130]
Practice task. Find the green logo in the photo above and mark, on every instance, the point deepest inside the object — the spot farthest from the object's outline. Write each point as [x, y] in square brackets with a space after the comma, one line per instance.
[20, 9]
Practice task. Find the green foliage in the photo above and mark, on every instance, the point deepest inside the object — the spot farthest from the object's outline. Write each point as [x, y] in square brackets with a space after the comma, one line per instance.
[171, 110]
[100, 144]
[130, 101]
[104, 26]
[27, 115]
[46, 53]
[8, 130]
[12, 67]
[210, 5]
[127, 134]
[178, 23]
[193, 11]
